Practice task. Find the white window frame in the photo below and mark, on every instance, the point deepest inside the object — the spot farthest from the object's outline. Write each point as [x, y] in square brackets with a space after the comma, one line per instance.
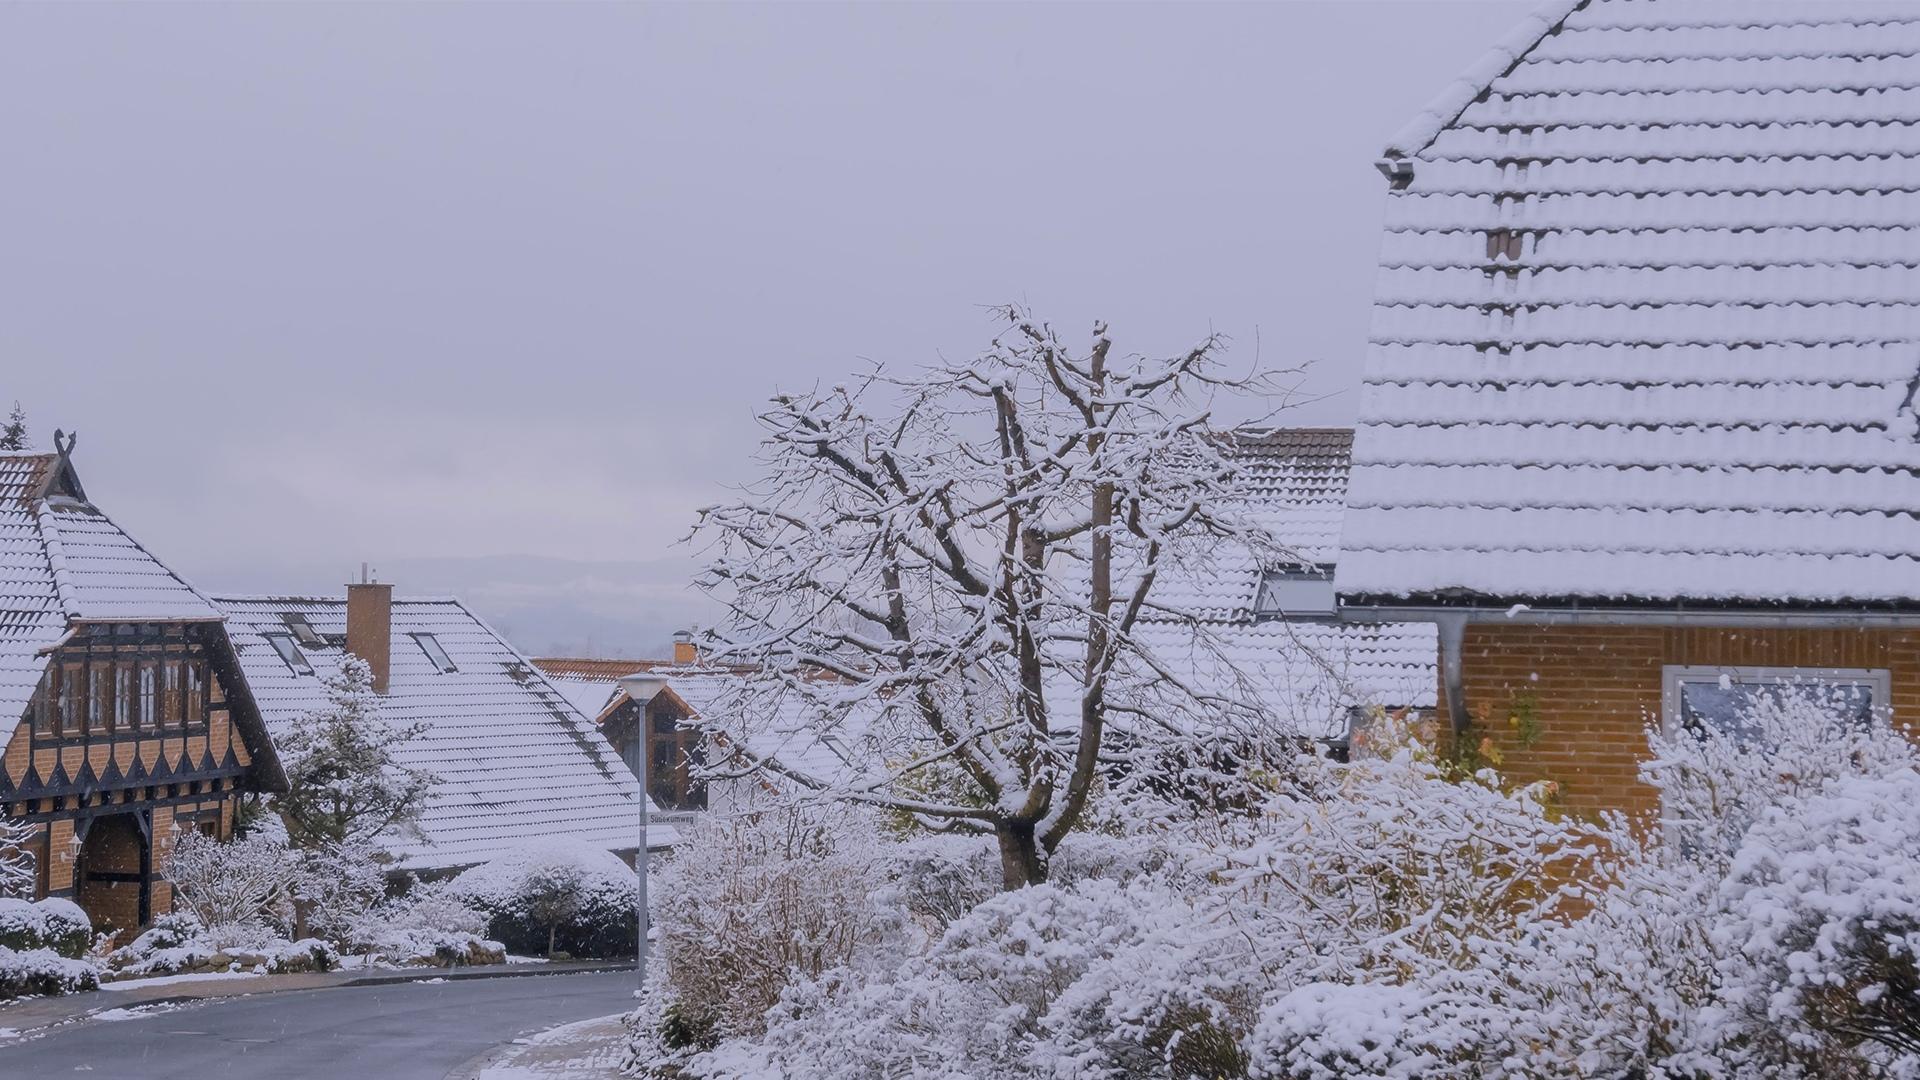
[1672, 675]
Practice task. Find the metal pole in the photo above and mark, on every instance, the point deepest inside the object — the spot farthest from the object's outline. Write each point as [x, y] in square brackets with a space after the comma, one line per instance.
[640, 734]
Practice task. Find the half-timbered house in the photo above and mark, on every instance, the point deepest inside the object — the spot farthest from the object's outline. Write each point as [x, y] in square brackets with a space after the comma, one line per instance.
[123, 711]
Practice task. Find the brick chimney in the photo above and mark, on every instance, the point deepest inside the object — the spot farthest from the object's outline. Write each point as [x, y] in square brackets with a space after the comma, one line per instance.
[370, 626]
[684, 651]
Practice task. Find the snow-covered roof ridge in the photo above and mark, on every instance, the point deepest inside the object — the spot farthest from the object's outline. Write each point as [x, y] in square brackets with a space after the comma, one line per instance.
[1446, 106]
[1647, 325]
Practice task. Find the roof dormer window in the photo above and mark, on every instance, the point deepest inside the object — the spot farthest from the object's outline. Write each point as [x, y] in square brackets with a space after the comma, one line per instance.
[431, 646]
[290, 652]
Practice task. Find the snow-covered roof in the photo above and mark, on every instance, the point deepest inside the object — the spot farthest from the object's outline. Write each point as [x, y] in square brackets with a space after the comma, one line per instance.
[1296, 479]
[518, 760]
[63, 561]
[1648, 320]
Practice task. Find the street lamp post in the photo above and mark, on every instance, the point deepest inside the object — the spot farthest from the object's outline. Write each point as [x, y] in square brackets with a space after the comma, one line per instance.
[641, 689]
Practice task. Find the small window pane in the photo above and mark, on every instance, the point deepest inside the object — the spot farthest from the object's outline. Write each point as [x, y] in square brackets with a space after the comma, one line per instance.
[303, 631]
[170, 702]
[437, 655]
[122, 697]
[149, 695]
[99, 697]
[289, 652]
[195, 693]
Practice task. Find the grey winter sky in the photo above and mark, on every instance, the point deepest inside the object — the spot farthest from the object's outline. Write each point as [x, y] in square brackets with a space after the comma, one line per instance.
[487, 294]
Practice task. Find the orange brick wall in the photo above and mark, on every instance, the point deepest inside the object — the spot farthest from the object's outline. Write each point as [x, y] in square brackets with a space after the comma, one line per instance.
[1594, 690]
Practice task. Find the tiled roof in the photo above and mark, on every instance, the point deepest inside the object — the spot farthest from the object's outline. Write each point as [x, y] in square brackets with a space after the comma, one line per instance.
[517, 759]
[1648, 320]
[62, 560]
[1297, 480]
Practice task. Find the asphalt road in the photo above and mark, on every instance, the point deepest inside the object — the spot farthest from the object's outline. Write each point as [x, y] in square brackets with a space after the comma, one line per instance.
[405, 1031]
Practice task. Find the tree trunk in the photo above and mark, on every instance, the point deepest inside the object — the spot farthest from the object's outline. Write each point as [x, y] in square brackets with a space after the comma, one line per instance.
[552, 929]
[1021, 863]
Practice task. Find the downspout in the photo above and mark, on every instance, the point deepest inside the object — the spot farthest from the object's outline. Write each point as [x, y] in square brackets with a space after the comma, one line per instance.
[1453, 630]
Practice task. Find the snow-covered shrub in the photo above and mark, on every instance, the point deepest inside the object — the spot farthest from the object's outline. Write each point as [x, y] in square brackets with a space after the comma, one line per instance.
[558, 893]
[334, 886]
[1340, 1031]
[752, 900]
[179, 943]
[1821, 926]
[18, 870]
[430, 924]
[54, 924]
[36, 972]
[247, 881]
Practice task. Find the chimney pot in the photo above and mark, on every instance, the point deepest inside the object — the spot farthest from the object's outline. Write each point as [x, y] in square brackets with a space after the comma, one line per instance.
[370, 628]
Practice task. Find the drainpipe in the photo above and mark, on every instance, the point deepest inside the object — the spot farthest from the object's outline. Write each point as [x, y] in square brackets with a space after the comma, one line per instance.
[1453, 630]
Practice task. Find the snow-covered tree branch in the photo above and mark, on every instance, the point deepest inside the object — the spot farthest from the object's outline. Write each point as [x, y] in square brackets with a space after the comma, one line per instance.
[954, 562]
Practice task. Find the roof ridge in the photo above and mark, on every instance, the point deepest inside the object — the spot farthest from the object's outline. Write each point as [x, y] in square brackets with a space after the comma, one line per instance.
[1446, 106]
[290, 598]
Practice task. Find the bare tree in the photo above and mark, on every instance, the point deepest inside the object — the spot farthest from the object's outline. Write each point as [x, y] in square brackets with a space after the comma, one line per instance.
[958, 560]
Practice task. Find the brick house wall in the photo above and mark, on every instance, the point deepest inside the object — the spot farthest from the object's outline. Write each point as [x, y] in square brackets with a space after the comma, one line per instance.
[1591, 691]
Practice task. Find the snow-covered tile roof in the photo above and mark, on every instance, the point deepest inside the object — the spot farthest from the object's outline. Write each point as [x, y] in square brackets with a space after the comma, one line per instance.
[1296, 480]
[62, 561]
[1648, 319]
[518, 760]
[1308, 676]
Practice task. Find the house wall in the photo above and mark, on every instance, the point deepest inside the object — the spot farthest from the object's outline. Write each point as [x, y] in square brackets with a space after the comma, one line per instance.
[1591, 691]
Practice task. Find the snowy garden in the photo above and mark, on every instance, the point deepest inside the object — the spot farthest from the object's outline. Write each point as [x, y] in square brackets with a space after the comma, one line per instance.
[1397, 916]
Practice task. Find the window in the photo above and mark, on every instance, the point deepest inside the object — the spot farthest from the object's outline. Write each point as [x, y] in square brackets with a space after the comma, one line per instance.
[431, 646]
[170, 710]
[1296, 591]
[289, 652]
[195, 703]
[73, 695]
[303, 631]
[674, 755]
[149, 694]
[122, 697]
[99, 697]
[1700, 697]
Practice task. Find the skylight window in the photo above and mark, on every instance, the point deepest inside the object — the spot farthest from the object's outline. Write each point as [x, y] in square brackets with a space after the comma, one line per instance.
[290, 652]
[1296, 591]
[303, 631]
[431, 646]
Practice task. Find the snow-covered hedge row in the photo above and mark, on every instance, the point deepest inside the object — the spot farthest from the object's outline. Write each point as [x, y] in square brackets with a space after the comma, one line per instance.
[43, 948]
[556, 895]
[1388, 918]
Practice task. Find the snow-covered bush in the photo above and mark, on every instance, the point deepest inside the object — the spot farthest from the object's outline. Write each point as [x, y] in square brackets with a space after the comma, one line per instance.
[556, 895]
[430, 924]
[18, 870]
[180, 943]
[1821, 926]
[750, 901]
[247, 881]
[54, 924]
[36, 972]
[1385, 918]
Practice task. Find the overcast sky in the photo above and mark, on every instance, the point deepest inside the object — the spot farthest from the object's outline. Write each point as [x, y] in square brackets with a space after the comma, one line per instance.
[486, 294]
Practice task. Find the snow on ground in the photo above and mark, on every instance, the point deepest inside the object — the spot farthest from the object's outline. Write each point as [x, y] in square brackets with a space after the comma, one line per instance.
[588, 1050]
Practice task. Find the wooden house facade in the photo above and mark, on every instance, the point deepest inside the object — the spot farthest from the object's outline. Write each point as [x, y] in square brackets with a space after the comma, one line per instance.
[126, 716]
